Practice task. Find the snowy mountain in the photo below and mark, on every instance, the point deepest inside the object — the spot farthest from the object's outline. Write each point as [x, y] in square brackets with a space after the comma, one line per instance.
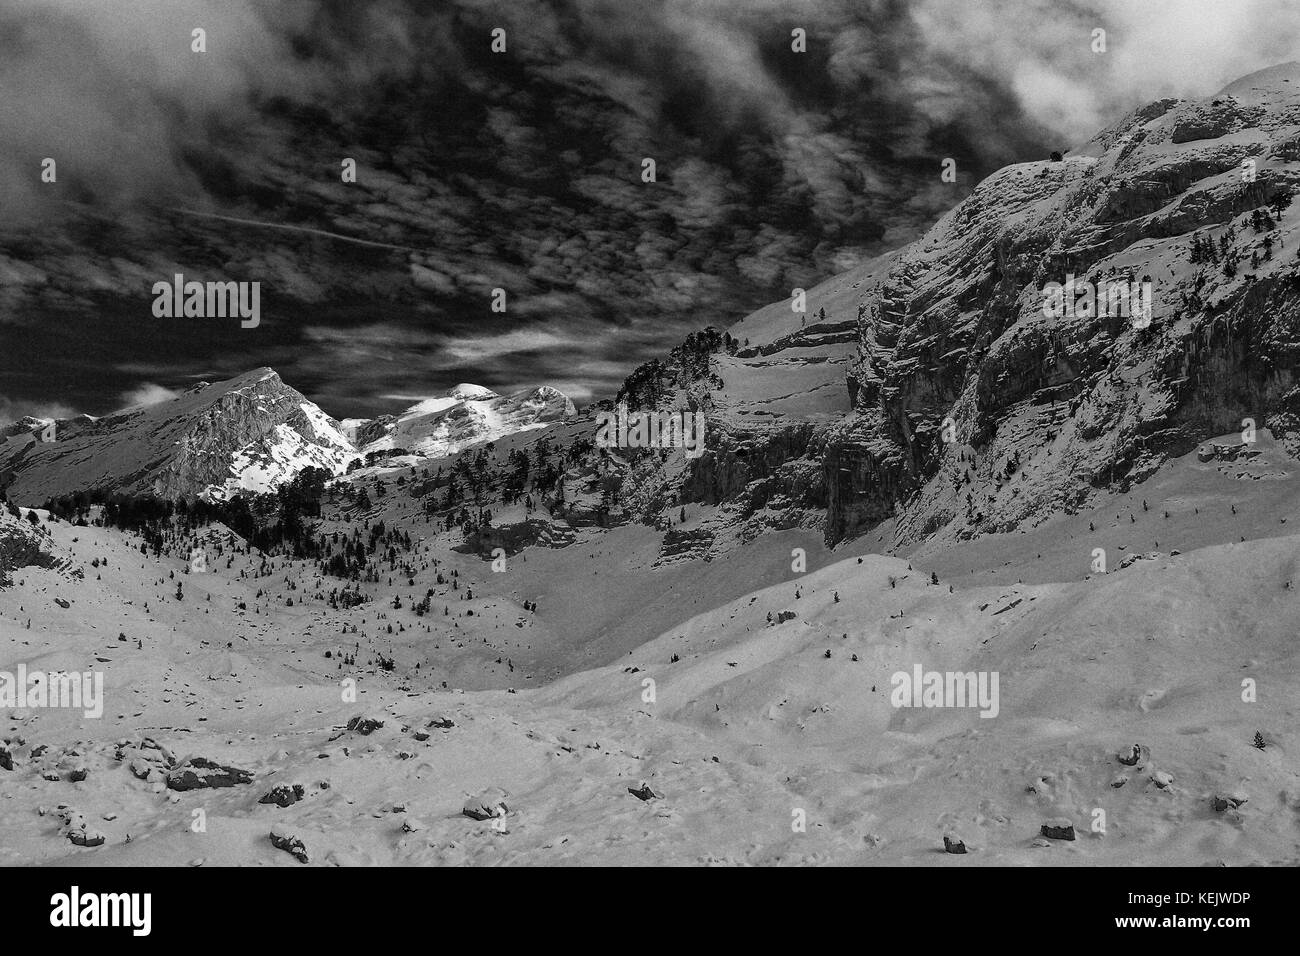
[249, 433]
[772, 694]
[467, 415]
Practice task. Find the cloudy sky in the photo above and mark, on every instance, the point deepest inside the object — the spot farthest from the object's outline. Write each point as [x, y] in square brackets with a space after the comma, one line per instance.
[519, 170]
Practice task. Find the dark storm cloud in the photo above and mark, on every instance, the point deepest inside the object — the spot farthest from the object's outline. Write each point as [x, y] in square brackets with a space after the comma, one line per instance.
[520, 171]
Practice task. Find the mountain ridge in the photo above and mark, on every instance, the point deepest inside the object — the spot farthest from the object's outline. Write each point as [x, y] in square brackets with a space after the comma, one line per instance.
[249, 433]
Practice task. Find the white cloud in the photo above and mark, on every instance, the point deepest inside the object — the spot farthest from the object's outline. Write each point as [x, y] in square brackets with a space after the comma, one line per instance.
[1042, 49]
[485, 348]
[147, 393]
[11, 410]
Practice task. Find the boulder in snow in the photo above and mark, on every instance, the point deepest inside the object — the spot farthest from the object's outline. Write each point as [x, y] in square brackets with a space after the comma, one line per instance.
[1135, 756]
[488, 804]
[284, 795]
[643, 792]
[364, 725]
[1059, 829]
[200, 773]
[1222, 801]
[282, 838]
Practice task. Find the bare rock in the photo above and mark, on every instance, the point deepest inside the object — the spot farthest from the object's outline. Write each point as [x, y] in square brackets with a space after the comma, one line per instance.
[1059, 829]
[284, 795]
[488, 804]
[86, 837]
[365, 726]
[77, 828]
[285, 839]
[1227, 801]
[1136, 756]
[200, 773]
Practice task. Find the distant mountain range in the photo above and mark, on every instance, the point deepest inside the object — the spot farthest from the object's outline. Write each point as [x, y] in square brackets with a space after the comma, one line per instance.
[249, 433]
[468, 415]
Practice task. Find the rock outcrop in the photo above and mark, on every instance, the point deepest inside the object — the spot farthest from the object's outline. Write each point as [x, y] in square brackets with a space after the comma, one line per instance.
[22, 545]
[200, 773]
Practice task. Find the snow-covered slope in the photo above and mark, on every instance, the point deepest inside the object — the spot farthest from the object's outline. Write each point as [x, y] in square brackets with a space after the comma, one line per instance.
[740, 724]
[265, 465]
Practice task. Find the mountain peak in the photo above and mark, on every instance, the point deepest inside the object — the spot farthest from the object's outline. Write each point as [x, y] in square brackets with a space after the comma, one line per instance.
[251, 431]
[467, 392]
[253, 376]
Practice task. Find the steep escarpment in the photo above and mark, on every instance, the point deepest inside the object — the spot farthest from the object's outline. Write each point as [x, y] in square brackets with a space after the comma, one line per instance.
[977, 409]
[766, 390]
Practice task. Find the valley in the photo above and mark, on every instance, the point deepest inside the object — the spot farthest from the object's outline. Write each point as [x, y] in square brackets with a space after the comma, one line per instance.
[483, 631]
[749, 721]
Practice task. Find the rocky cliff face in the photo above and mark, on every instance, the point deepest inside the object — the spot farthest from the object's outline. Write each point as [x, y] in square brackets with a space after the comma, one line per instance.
[22, 545]
[765, 400]
[1043, 411]
[768, 397]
